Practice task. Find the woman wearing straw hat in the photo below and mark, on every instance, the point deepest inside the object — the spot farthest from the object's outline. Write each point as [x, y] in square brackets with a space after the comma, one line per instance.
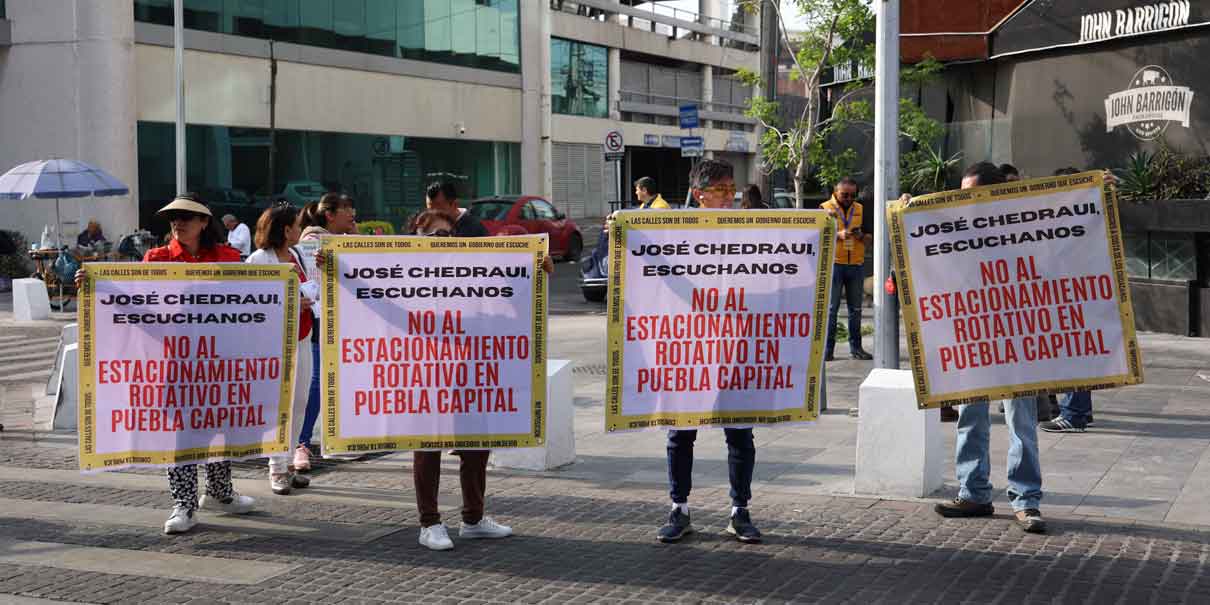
[195, 238]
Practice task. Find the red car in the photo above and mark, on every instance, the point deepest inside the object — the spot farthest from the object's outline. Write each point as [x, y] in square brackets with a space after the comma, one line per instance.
[527, 214]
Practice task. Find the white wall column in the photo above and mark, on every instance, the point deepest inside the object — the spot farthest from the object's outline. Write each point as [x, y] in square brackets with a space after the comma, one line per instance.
[615, 83]
[535, 99]
[68, 85]
[707, 93]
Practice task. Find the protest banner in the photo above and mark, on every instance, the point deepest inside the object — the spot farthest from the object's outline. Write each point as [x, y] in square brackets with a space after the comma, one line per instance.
[717, 317]
[1015, 290]
[433, 343]
[184, 363]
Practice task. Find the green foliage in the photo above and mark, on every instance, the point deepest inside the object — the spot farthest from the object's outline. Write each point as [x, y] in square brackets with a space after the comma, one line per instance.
[1163, 175]
[924, 170]
[17, 264]
[1181, 176]
[372, 227]
[1137, 180]
[835, 34]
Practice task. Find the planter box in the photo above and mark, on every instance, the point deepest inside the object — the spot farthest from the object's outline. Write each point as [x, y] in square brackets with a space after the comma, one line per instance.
[1166, 306]
[1186, 216]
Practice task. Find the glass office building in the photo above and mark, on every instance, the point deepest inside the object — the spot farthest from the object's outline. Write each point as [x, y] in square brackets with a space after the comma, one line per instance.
[386, 175]
[472, 33]
[579, 78]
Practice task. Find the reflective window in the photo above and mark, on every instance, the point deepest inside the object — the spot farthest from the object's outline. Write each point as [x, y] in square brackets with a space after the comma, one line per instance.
[579, 78]
[472, 33]
[386, 175]
[543, 210]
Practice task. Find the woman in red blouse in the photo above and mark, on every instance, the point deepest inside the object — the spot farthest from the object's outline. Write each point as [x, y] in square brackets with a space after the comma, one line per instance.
[196, 238]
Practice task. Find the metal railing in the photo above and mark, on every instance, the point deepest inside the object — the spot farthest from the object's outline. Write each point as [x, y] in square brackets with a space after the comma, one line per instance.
[633, 96]
[664, 20]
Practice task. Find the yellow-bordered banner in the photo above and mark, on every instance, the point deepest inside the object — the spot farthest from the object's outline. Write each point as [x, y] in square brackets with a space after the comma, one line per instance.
[1015, 290]
[433, 343]
[183, 363]
[717, 317]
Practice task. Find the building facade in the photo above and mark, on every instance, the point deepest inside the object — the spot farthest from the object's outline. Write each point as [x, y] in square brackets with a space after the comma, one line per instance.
[375, 98]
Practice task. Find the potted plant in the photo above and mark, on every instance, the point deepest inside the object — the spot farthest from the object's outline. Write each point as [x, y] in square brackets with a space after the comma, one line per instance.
[14, 259]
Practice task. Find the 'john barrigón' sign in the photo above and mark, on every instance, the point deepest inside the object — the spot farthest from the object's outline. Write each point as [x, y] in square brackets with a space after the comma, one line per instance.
[1149, 105]
[1135, 20]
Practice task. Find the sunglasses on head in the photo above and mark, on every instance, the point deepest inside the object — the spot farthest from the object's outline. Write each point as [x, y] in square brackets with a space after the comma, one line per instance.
[438, 233]
[281, 204]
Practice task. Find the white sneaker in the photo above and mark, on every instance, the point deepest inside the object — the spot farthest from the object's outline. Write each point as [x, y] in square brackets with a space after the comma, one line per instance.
[436, 537]
[180, 522]
[238, 505]
[485, 528]
[280, 483]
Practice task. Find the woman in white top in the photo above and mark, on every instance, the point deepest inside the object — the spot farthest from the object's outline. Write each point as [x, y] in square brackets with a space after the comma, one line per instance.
[277, 231]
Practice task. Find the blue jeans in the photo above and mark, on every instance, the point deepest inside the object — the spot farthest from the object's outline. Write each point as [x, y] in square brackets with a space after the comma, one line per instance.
[741, 461]
[852, 279]
[974, 458]
[1076, 407]
[312, 414]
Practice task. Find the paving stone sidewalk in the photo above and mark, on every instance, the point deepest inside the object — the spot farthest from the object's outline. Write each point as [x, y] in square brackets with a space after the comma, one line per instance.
[1127, 504]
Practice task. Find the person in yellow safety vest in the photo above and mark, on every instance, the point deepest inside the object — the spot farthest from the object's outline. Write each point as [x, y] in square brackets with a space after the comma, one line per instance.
[644, 190]
[848, 271]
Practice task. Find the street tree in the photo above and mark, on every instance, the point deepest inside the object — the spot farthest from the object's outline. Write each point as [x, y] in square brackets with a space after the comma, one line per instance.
[839, 33]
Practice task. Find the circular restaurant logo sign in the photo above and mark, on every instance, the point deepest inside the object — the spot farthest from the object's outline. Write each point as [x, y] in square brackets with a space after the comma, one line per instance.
[1150, 104]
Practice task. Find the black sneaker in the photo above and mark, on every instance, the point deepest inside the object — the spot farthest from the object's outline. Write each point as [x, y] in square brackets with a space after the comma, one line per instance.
[742, 528]
[678, 526]
[958, 508]
[1060, 425]
[828, 356]
[1030, 521]
[1089, 423]
[862, 355]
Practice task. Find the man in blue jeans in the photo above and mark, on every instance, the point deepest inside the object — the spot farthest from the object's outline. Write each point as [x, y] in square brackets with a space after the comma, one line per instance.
[848, 271]
[712, 183]
[973, 455]
[1075, 414]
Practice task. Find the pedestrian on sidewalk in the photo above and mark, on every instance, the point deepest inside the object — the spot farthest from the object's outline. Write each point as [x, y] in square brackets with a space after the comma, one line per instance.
[277, 231]
[1075, 409]
[442, 196]
[238, 236]
[646, 191]
[426, 465]
[753, 200]
[848, 271]
[195, 237]
[333, 214]
[712, 184]
[973, 451]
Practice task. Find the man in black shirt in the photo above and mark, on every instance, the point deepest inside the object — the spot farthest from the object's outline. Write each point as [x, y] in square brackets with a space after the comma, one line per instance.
[443, 197]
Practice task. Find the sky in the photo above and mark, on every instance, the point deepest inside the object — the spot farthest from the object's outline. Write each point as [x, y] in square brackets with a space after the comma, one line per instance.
[728, 9]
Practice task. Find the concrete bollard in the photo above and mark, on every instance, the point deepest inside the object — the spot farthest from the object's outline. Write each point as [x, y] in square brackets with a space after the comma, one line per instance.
[30, 300]
[68, 336]
[560, 448]
[66, 411]
[900, 450]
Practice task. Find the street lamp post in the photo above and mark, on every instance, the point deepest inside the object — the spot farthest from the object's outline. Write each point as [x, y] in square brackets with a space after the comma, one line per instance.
[178, 46]
[886, 177]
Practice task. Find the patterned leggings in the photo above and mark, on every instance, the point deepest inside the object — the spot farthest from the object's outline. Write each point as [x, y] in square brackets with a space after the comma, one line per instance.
[182, 482]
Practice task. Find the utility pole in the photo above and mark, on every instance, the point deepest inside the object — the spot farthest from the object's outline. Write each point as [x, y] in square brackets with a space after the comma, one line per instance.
[178, 47]
[886, 177]
[770, 48]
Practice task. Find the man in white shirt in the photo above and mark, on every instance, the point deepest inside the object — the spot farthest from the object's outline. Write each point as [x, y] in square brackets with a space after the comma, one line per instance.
[238, 236]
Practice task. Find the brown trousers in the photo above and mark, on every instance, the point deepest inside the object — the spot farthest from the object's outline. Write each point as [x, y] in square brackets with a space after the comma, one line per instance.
[426, 477]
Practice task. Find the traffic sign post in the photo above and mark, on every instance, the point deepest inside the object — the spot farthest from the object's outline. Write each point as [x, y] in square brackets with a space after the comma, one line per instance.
[692, 147]
[615, 147]
[688, 113]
